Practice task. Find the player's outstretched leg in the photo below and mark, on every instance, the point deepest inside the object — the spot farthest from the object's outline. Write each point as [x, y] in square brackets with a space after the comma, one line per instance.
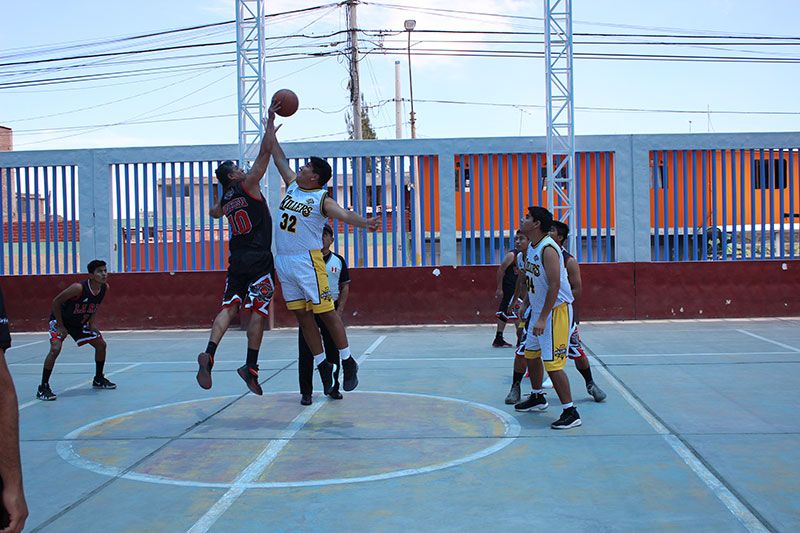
[205, 360]
[249, 371]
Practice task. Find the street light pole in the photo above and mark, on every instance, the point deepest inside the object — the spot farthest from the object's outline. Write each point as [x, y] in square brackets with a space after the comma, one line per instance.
[410, 25]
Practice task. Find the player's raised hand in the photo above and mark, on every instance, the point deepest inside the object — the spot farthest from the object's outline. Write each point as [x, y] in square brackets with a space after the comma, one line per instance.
[374, 224]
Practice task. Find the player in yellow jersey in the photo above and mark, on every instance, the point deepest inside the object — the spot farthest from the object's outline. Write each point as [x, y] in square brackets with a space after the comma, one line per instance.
[300, 218]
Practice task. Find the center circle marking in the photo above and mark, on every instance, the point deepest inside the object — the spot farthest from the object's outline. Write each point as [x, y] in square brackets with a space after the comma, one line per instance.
[463, 408]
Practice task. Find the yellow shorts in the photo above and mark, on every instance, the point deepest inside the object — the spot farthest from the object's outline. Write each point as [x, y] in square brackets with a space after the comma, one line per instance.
[304, 282]
[551, 345]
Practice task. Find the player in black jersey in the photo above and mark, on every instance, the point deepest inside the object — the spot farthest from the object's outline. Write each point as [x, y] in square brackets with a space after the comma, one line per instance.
[507, 274]
[250, 265]
[559, 232]
[73, 314]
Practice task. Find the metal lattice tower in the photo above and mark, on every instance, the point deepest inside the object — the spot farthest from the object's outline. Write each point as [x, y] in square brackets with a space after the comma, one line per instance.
[560, 113]
[251, 72]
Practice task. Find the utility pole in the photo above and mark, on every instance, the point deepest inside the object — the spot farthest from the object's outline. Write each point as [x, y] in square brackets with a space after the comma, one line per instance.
[398, 108]
[355, 90]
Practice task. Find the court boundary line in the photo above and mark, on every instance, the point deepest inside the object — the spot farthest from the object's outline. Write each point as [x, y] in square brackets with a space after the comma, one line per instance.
[782, 345]
[747, 516]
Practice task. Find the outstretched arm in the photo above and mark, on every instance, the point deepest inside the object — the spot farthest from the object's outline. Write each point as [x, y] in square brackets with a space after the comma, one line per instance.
[278, 156]
[253, 178]
[331, 209]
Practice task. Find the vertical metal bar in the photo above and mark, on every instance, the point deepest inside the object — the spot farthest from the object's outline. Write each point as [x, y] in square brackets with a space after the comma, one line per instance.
[422, 209]
[184, 257]
[346, 227]
[704, 210]
[667, 183]
[481, 205]
[716, 230]
[763, 184]
[396, 212]
[472, 192]
[137, 235]
[655, 157]
[491, 171]
[694, 206]
[734, 204]
[73, 218]
[401, 222]
[36, 220]
[598, 211]
[510, 178]
[413, 164]
[607, 159]
[192, 227]
[65, 217]
[792, 157]
[374, 198]
[587, 170]
[577, 223]
[724, 183]
[208, 185]
[20, 224]
[434, 204]
[202, 214]
[56, 262]
[165, 240]
[771, 190]
[752, 164]
[685, 206]
[11, 173]
[385, 255]
[47, 176]
[28, 222]
[153, 172]
[781, 205]
[463, 194]
[174, 218]
[20, 254]
[145, 217]
[362, 232]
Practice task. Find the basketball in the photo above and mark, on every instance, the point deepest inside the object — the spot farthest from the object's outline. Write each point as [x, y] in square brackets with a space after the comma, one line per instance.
[288, 100]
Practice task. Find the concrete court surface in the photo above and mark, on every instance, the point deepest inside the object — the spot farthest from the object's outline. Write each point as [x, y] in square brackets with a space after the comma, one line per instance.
[699, 433]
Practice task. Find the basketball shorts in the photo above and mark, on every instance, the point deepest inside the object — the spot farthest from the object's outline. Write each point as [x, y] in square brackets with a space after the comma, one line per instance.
[552, 345]
[249, 282]
[304, 282]
[503, 313]
[81, 334]
[5, 335]
[575, 348]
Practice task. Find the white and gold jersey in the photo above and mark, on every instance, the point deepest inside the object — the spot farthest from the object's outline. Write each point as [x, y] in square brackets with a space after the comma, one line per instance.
[536, 277]
[300, 219]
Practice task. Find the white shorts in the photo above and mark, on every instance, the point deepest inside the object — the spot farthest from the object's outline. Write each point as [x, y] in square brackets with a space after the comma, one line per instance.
[304, 282]
[551, 345]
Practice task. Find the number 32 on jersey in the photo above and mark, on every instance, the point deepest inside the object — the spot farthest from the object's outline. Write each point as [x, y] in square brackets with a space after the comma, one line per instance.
[288, 222]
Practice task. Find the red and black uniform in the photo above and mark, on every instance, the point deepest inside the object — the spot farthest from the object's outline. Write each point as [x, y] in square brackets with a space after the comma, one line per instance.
[509, 286]
[77, 313]
[251, 265]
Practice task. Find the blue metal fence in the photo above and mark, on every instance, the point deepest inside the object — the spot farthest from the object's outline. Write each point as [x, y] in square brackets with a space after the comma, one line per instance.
[38, 211]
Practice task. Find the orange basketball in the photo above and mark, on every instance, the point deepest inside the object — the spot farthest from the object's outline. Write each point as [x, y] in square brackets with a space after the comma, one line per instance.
[288, 100]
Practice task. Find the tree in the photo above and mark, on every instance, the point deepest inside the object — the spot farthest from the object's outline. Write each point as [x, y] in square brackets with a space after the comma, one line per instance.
[367, 131]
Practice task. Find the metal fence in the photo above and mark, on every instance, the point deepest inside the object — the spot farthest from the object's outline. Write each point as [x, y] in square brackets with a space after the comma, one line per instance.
[441, 201]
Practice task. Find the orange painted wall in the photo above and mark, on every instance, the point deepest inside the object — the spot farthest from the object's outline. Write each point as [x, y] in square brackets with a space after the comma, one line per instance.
[733, 159]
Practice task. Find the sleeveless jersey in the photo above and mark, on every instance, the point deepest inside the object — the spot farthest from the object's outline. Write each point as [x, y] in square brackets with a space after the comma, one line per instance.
[536, 277]
[300, 220]
[248, 218]
[78, 311]
[511, 273]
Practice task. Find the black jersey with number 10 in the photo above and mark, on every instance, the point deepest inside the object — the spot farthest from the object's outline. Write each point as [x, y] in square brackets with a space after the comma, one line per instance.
[249, 220]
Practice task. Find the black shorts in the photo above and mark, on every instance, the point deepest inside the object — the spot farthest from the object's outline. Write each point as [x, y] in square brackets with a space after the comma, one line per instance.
[81, 334]
[5, 335]
[250, 281]
[502, 311]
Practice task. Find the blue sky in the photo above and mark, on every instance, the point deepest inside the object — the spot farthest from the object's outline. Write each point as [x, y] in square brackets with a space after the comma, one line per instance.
[199, 106]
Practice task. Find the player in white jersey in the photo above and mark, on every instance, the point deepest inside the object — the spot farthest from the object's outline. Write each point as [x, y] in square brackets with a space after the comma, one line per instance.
[550, 300]
[301, 216]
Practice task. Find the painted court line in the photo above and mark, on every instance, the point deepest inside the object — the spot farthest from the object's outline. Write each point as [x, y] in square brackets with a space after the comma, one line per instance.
[776, 343]
[24, 345]
[728, 499]
[257, 467]
[80, 385]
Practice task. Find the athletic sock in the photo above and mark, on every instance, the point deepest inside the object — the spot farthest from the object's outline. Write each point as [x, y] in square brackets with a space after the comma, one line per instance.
[319, 358]
[46, 375]
[98, 368]
[518, 377]
[537, 391]
[566, 406]
[252, 357]
[344, 353]
[211, 349]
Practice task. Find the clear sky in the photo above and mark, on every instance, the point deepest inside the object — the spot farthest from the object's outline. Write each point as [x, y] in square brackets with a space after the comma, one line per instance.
[197, 104]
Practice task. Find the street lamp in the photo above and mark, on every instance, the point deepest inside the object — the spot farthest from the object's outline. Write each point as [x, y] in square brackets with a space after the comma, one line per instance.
[410, 24]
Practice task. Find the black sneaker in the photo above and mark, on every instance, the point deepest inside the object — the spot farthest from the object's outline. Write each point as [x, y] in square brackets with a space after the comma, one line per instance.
[569, 419]
[326, 375]
[335, 395]
[206, 362]
[250, 376]
[535, 402]
[595, 391]
[350, 368]
[500, 342]
[103, 383]
[305, 399]
[44, 393]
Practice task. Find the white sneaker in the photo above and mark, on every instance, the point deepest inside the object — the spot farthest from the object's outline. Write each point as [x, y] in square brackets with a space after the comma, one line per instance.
[547, 383]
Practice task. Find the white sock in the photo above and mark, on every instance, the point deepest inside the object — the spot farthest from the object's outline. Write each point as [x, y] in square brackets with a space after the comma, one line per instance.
[566, 406]
[318, 359]
[344, 353]
[537, 391]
